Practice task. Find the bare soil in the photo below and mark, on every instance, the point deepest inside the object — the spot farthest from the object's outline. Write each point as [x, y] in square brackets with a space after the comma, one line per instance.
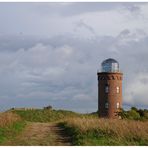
[36, 133]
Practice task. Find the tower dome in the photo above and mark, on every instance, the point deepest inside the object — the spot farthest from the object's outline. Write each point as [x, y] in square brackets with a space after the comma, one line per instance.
[110, 65]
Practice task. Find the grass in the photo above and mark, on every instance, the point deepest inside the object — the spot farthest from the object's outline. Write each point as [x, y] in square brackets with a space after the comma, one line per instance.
[35, 134]
[94, 131]
[45, 115]
[10, 125]
[83, 129]
[8, 118]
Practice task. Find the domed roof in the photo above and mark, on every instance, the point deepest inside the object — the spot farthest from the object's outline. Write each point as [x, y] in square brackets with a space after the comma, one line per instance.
[110, 65]
[110, 60]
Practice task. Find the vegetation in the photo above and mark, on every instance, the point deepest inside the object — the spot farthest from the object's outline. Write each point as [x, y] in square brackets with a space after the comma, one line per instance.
[10, 125]
[94, 131]
[134, 114]
[48, 107]
[8, 118]
[45, 115]
[83, 129]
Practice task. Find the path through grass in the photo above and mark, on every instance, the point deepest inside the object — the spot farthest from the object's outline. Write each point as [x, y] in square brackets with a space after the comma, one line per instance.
[37, 133]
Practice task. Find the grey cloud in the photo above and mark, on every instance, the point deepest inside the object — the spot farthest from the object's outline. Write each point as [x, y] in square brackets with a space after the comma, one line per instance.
[63, 72]
[136, 9]
[144, 80]
[71, 9]
[81, 24]
[65, 9]
[133, 7]
[60, 68]
[43, 19]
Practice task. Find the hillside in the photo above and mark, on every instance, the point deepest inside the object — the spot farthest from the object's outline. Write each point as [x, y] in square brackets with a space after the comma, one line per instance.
[45, 115]
[61, 127]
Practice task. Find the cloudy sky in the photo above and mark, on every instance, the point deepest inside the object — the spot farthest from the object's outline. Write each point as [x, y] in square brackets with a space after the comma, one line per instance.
[50, 53]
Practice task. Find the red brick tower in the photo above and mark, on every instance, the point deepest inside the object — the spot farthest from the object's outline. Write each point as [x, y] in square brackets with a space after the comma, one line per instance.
[109, 89]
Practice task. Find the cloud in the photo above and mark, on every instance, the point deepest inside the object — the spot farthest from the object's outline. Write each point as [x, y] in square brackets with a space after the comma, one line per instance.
[43, 19]
[49, 73]
[80, 25]
[137, 90]
[72, 9]
[52, 57]
[41, 71]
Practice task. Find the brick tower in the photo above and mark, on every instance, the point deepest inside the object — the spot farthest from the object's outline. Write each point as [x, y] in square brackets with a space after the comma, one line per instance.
[109, 89]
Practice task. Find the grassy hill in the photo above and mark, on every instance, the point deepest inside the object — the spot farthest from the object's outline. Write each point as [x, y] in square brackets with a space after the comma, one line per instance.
[84, 129]
[45, 115]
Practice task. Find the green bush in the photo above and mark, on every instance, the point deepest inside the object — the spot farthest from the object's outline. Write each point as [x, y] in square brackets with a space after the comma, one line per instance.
[134, 108]
[132, 114]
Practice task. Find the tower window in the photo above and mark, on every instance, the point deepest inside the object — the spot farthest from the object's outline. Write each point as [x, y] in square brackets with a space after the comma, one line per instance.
[106, 89]
[106, 105]
[118, 89]
[118, 105]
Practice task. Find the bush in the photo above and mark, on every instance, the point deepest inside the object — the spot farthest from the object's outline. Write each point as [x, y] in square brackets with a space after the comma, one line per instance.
[141, 112]
[134, 108]
[145, 115]
[132, 114]
[48, 107]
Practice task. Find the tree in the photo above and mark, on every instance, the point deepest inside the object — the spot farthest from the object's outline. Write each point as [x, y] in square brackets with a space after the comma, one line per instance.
[141, 112]
[134, 108]
[48, 107]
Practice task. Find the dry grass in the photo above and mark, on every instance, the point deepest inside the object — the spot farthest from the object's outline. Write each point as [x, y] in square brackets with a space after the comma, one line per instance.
[36, 133]
[8, 118]
[120, 129]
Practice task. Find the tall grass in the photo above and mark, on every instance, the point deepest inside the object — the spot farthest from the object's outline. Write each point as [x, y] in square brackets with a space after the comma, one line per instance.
[10, 125]
[8, 118]
[112, 132]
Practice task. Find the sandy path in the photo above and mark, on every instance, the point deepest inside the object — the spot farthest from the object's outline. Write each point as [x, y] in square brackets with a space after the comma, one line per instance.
[37, 133]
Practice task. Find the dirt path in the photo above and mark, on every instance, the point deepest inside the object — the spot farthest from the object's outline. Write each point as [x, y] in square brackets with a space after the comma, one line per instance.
[37, 133]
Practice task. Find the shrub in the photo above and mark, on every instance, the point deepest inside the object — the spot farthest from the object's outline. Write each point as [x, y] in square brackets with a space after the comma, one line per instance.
[132, 114]
[134, 108]
[141, 112]
[48, 107]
